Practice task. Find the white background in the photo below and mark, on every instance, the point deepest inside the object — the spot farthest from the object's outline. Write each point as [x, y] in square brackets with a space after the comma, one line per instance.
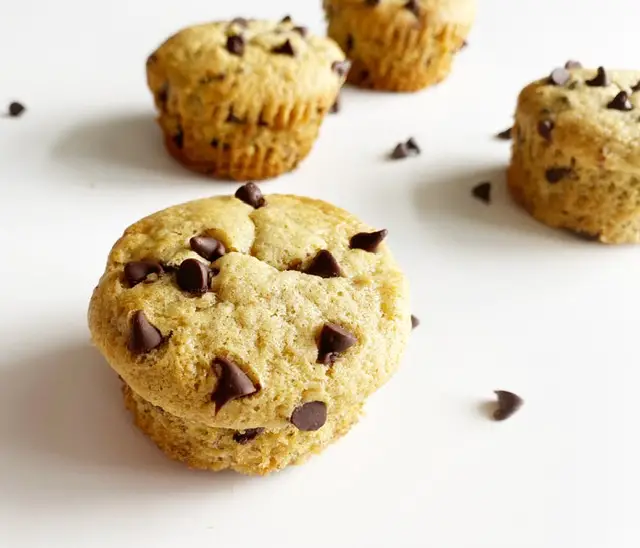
[505, 303]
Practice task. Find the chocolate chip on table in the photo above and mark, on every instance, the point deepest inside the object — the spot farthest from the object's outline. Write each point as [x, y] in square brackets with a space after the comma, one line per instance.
[324, 265]
[310, 416]
[505, 135]
[415, 322]
[413, 146]
[335, 108]
[406, 149]
[621, 102]
[559, 77]
[334, 340]
[508, 404]
[302, 31]
[252, 195]
[233, 383]
[144, 336]
[413, 6]
[341, 68]
[284, 49]
[482, 192]
[601, 79]
[16, 109]
[571, 64]
[369, 241]
[207, 247]
[193, 277]
[248, 435]
[136, 272]
[556, 174]
[545, 127]
[235, 45]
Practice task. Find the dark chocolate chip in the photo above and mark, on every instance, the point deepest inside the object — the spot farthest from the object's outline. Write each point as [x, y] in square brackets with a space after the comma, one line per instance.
[310, 416]
[341, 68]
[302, 31]
[16, 109]
[144, 336]
[333, 340]
[415, 322]
[137, 272]
[413, 146]
[207, 247]
[178, 138]
[601, 79]
[152, 59]
[508, 404]
[193, 277]
[571, 64]
[413, 6]
[621, 102]
[559, 77]
[286, 19]
[233, 383]
[400, 152]
[482, 192]
[349, 43]
[635, 87]
[372, 3]
[369, 241]
[163, 94]
[235, 45]
[545, 127]
[556, 174]
[248, 435]
[233, 119]
[284, 49]
[335, 108]
[252, 195]
[324, 265]
[505, 135]
[240, 21]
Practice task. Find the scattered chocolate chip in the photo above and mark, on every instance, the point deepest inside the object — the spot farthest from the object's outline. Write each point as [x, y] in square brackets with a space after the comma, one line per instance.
[207, 247]
[415, 322]
[508, 404]
[571, 64]
[559, 77]
[16, 109]
[556, 174]
[621, 102]
[482, 192]
[324, 265]
[252, 195]
[136, 272]
[233, 383]
[144, 336]
[349, 43]
[413, 146]
[505, 135]
[371, 3]
[333, 340]
[286, 19]
[545, 127]
[341, 68]
[233, 119]
[193, 277]
[178, 138]
[413, 6]
[635, 87]
[240, 21]
[310, 416]
[235, 45]
[248, 435]
[284, 49]
[369, 241]
[302, 31]
[335, 108]
[601, 79]
[404, 150]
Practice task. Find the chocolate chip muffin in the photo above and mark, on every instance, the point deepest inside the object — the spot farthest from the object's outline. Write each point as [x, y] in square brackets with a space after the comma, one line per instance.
[575, 162]
[400, 45]
[244, 99]
[250, 330]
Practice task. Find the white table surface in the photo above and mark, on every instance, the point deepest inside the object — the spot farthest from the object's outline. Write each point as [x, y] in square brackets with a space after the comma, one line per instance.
[505, 304]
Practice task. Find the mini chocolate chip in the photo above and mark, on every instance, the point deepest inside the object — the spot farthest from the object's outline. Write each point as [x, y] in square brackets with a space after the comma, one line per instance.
[324, 265]
[302, 31]
[505, 135]
[144, 336]
[413, 146]
[16, 109]
[235, 45]
[601, 79]
[415, 322]
[286, 19]
[233, 119]
[310, 416]
[508, 404]
[252, 195]
[240, 21]
[333, 340]
[248, 435]
[621, 102]
[349, 43]
[369, 241]
[482, 192]
[136, 272]
[371, 3]
[284, 49]
[404, 150]
[571, 64]
[559, 77]
[545, 127]
[335, 108]
[207, 247]
[635, 87]
[341, 68]
[413, 6]
[556, 174]
[193, 277]
[178, 138]
[233, 383]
